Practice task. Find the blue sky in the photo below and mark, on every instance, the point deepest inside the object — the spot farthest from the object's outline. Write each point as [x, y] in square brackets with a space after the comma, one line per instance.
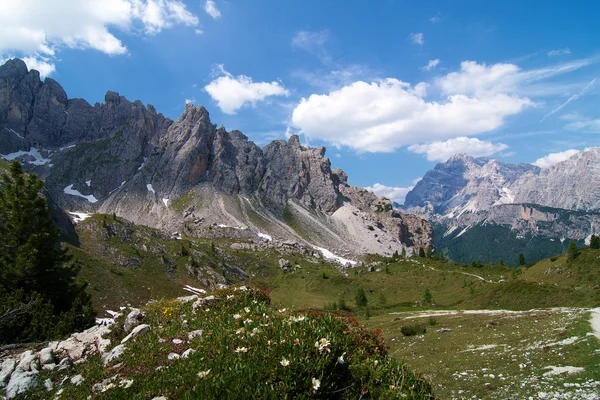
[389, 87]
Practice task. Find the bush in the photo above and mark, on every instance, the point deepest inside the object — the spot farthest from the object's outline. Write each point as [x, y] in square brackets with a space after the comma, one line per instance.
[412, 330]
[250, 350]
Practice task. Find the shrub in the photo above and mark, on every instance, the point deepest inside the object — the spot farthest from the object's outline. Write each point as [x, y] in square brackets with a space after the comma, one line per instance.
[361, 298]
[412, 330]
[250, 350]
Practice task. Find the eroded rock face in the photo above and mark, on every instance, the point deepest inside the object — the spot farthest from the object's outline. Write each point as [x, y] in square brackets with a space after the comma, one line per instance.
[122, 157]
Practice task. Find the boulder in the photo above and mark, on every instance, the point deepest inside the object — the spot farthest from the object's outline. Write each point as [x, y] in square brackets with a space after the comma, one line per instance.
[6, 369]
[138, 330]
[284, 264]
[46, 358]
[113, 354]
[21, 381]
[133, 319]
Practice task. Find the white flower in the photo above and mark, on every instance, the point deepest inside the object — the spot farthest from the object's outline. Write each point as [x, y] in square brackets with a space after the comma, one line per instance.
[243, 288]
[239, 331]
[323, 345]
[316, 384]
[376, 362]
[247, 309]
[203, 374]
[237, 316]
[241, 350]
[284, 362]
[247, 321]
[282, 310]
[341, 359]
[229, 296]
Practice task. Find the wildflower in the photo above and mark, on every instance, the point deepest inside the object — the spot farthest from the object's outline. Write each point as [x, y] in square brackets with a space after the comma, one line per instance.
[241, 350]
[247, 309]
[207, 310]
[323, 345]
[243, 288]
[296, 341]
[341, 359]
[239, 331]
[203, 374]
[237, 316]
[247, 321]
[229, 296]
[316, 384]
[255, 331]
[376, 362]
[282, 310]
[126, 383]
[284, 362]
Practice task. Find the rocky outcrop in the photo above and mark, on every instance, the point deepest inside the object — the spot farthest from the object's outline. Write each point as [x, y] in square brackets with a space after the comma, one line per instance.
[187, 175]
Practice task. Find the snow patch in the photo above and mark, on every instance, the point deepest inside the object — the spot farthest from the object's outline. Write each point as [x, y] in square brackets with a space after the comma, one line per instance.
[265, 236]
[562, 370]
[194, 290]
[330, 256]
[79, 216]
[463, 231]
[166, 202]
[33, 152]
[150, 188]
[69, 190]
[143, 163]
[10, 130]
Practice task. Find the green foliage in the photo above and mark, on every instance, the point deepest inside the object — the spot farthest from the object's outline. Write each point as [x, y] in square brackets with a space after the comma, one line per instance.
[432, 322]
[501, 262]
[414, 329]
[403, 253]
[572, 251]
[39, 298]
[595, 242]
[427, 297]
[212, 247]
[248, 349]
[360, 298]
[421, 252]
[521, 259]
[382, 300]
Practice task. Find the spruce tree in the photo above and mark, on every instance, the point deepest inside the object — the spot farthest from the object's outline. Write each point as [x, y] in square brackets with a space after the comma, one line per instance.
[39, 297]
[572, 251]
[360, 298]
[595, 242]
[521, 259]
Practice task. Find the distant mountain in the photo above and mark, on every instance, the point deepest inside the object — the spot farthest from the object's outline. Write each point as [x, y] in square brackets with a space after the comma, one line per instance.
[536, 211]
[188, 175]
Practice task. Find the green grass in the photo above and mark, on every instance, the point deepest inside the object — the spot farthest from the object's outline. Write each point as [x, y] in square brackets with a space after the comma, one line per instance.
[247, 349]
[497, 356]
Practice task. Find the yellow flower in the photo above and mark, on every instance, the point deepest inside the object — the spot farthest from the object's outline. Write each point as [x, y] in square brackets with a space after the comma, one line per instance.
[239, 331]
[284, 362]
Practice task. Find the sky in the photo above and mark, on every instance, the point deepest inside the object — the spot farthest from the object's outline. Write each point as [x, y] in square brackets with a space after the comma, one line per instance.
[391, 88]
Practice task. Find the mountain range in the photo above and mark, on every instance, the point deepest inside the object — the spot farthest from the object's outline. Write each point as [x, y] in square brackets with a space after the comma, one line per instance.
[485, 209]
[188, 176]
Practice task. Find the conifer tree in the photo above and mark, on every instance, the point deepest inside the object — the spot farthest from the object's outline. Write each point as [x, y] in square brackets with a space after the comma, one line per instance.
[572, 251]
[595, 242]
[39, 297]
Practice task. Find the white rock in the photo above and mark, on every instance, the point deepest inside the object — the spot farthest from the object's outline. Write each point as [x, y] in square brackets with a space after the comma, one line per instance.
[194, 334]
[65, 363]
[113, 354]
[177, 341]
[46, 358]
[28, 361]
[138, 330]
[6, 369]
[83, 343]
[48, 384]
[160, 398]
[187, 299]
[200, 302]
[133, 319]
[173, 356]
[188, 353]
[21, 381]
[77, 380]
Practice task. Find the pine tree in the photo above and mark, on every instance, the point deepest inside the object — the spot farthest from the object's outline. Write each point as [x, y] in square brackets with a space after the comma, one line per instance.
[572, 251]
[39, 296]
[595, 242]
[521, 259]
[421, 252]
[501, 262]
[360, 298]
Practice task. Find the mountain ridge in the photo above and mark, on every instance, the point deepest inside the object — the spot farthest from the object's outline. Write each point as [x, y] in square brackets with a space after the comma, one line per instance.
[188, 175]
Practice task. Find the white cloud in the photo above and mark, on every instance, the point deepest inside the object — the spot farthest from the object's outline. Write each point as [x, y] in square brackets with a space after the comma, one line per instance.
[190, 101]
[441, 151]
[42, 64]
[554, 158]
[38, 29]
[570, 99]
[435, 19]
[211, 9]
[581, 124]
[431, 64]
[383, 116]
[417, 38]
[559, 52]
[397, 194]
[310, 41]
[232, 93]
[198, 31]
